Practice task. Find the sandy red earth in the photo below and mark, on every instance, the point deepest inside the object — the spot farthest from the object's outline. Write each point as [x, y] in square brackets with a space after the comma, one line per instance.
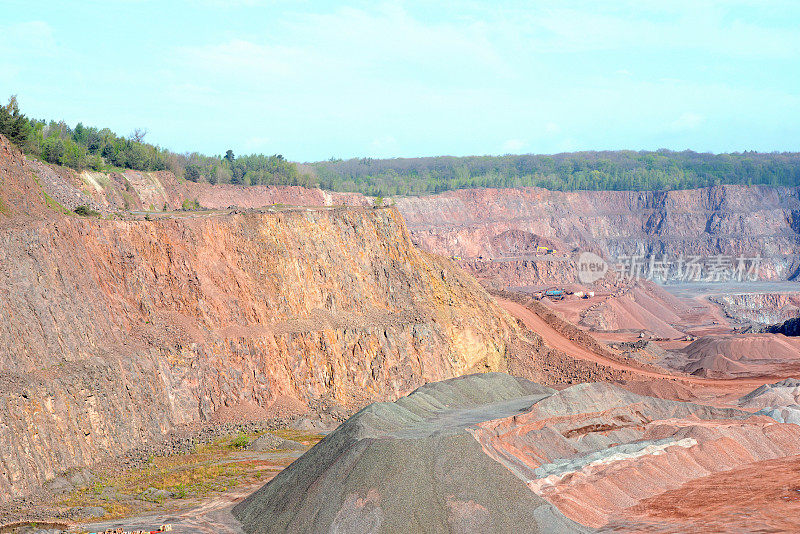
[716, 472]
[761, 497]
[644, 308]
[558, 341]
[689, 335]
[596, 451]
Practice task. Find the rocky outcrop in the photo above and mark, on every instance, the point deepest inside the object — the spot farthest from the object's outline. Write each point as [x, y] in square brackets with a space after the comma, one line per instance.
[162, 191]
[507, 226]
[763, 308]
[114, 332]
[790, 327]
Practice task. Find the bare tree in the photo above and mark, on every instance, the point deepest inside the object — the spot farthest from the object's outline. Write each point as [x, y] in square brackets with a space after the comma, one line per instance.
[138, 135]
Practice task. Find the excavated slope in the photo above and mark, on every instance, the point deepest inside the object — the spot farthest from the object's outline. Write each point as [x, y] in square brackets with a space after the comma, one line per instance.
[507, 224]
[732, 220]
[113, 332]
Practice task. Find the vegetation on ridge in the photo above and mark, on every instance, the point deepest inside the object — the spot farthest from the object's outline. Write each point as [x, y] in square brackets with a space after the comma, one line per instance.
[84, 147]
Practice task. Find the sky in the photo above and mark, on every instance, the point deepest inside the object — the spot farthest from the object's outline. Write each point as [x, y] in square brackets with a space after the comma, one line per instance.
[318, 79]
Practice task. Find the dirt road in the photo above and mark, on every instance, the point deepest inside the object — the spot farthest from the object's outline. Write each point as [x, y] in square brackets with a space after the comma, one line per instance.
[556, 340]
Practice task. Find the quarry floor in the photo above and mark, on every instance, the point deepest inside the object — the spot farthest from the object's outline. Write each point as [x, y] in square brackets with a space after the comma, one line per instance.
[193, 492]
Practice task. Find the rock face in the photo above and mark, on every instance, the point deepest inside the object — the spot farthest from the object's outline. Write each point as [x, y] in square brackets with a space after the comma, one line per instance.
[790, 327]
[409, 466]
[507, 225]
[161, 190]
[730, 220]
[765, 308]
[113, 332]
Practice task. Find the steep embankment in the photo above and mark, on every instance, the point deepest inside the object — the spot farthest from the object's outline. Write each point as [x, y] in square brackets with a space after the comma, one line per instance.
[114, 332]
[731, 220]
[507, 225]
[758, 307]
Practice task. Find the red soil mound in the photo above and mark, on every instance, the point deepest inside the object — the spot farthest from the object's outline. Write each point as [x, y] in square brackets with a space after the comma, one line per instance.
[595, 450]
[742, 355]
[761, 497]
[642, 308]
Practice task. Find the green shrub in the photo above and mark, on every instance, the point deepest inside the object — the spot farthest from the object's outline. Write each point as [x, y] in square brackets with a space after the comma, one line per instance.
[96, 163]
[191, 205]
[86, 211]
[180, 491]
[53, 149]
[241, 441]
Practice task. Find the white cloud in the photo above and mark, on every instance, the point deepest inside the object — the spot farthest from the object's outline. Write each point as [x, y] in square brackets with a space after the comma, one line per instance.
[694, 26]
[551, 128]
[379, 44]
[461, 79]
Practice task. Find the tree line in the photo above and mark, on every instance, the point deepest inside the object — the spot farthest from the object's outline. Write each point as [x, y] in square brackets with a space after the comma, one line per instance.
[608, 170]
[87, 147]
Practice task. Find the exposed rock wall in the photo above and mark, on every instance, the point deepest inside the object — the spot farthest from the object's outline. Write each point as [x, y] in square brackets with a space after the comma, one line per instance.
[114, 332]
[762, 308]
[157, 191]
[731, 220]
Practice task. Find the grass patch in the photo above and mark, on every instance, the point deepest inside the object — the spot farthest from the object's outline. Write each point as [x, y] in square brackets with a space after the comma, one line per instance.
[4, 209]
[240, 442]
[54, 204]
[49, 201]
[210, 469]
[128, 200]
[302, 436]
[191, 205]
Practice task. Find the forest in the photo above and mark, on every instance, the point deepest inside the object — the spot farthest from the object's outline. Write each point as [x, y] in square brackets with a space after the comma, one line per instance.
[609, 170]
[83, 147]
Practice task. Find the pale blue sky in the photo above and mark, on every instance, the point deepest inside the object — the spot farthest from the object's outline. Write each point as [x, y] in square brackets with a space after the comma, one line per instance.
[313, 80]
